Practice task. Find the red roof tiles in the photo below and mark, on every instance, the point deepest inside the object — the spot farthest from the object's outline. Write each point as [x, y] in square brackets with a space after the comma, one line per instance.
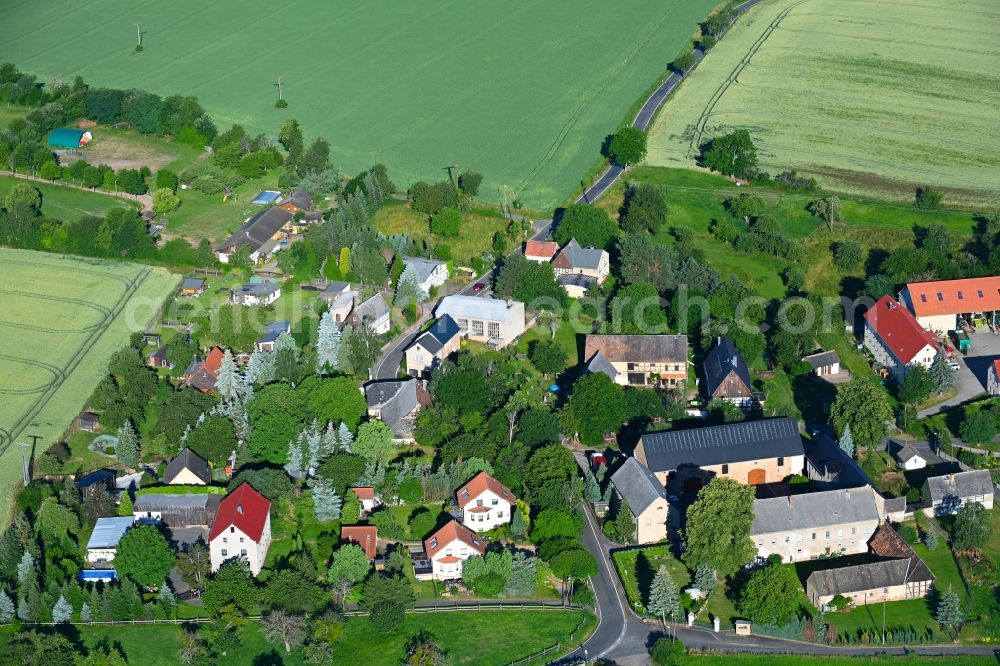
[365, 536]
[542, 249]
[479, 484]
[453, 531]
[898, 329]
[244, 508]
[944, 297]
[364, 493]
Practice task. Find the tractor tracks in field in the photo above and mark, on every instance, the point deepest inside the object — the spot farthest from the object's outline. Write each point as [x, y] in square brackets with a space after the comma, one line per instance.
[60, 374]
[702, 122]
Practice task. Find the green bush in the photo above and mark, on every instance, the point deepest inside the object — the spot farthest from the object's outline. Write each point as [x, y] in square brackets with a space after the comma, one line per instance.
[668, 652]
[447, 222]
[489, 586]
[387, 616]
[909, 534]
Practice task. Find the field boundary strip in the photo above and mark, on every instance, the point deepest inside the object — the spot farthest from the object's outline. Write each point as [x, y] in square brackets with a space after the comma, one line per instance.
[701, 123]
[132, 285]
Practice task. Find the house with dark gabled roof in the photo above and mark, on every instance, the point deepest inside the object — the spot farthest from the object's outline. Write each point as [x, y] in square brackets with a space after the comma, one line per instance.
[449, 547]
[396, 403]
[485, 503]
[641, 360]
[273, 331]
[431, 272]
[727, 376]
[589, 261]
[297, 201]
[647, 500]
[192, 286]
[256, 293]
[373, 313]
[945, 495]
[751, 452]
[897, 573]
[824, 363]
[434, 345]
[242, 528]
[259, 233]
[187, 468]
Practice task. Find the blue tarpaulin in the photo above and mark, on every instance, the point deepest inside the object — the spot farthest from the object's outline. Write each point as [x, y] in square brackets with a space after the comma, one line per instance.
[65, 138]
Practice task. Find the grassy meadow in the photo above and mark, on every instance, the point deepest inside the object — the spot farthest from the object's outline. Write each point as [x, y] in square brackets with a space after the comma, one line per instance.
[65, 203]
[871, 98]
[63, 317]
[522, 91]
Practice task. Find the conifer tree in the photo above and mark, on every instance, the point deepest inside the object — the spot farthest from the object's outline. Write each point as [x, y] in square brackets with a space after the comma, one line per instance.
[705, 578]
[591, 489]
[286, 358]
[85, 615]
[7, 609]
[345, 440]
[625, 523]
[326, 502]
[949, 611]
[62, 611]
[228, 378]
[328, 345]
[664, 600]
[295, 465]
[408, 290]
[847, 442]
[260, 368]
[942, 375]
[127, 450]
[25, 568]
[125, 507]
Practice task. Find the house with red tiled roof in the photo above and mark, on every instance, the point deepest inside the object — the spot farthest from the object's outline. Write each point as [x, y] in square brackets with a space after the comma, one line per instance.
[540, 251]
[202, 375]
[485, 503]
[369, 500]
[896, 340]
[938, 305]
[993, 377]
[242, 528]
[365, 536]
[449, 547]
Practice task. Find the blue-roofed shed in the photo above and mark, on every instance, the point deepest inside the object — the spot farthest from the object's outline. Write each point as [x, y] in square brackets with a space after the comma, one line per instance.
[69, 138]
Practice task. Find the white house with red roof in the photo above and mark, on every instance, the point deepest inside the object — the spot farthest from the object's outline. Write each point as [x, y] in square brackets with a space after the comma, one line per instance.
[896, 339]
[242, 528]
[937, 305]
[540, 251]
[485, 503]
[449, 547]
[368, 499]
[993, 377]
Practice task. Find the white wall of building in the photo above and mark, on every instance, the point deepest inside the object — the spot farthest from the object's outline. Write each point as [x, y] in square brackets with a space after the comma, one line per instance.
[499, 512]
[234, 543]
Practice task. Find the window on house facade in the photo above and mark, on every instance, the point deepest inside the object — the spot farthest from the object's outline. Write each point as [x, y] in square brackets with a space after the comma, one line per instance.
[781, 462]
[494, 329]
[814, 536]
[725, 469]
[827, 534]
[477, 327]
[243, 552]
[224, 552]
[463, 325]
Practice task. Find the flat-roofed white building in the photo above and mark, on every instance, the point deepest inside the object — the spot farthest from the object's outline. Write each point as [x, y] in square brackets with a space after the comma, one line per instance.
[488, 320]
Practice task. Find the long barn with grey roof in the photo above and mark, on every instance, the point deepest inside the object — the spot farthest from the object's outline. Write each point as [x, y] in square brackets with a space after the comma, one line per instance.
[945, 495]
[647, 500]
[751, 452]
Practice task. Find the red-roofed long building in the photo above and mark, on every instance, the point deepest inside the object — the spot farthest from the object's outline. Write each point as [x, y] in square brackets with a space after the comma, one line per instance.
[895, 339]
[485, 503]
[937, 305]
[449, 547]
[242, 528]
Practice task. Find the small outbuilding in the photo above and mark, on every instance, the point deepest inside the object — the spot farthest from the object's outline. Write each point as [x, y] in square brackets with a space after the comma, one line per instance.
[824, 363]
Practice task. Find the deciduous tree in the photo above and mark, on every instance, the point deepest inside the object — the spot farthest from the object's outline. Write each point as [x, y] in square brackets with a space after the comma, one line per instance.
[144, 555]
[733, 154]
[865, 408]
[718, 527]
[770, 595]
[589, 225]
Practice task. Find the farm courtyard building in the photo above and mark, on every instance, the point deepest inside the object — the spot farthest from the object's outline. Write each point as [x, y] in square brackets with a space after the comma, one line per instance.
[896, 339]
[940, 304]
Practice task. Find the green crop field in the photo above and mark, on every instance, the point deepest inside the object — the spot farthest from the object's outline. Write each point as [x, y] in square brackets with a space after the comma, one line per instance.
[869, 97]
[62, 319]
[522, 91]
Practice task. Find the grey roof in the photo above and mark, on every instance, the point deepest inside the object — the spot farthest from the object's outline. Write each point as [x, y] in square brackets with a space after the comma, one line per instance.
[637, 485]
[334, 289]
[582, 257]
[161, 501]
[193, 283]
[814, 510]
[822, 359]
[476, 307]
[395, 400]
[105, 476]
[274, 330]
[904, 451]
[961, 484]
[576, 280]
[423, 267]
[871, 576]
[109, 531]
[600, 363]
[438, 335]
[638, 348]
[301, 199]
[258, 289]
[371, 310]
[258, 229]
[191, 461]
[716, 445]
[722, 360]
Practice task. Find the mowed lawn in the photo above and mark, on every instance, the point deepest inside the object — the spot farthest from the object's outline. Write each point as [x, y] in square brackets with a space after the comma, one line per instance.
[869, 97]
[65, 203]
[522, 91]
[62, 319]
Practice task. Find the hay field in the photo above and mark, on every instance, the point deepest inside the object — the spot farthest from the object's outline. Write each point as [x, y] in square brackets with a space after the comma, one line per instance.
[523, 91]
[870, 97]
[62, 318]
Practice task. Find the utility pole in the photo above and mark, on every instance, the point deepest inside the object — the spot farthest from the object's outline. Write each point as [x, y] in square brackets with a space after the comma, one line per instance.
[883, 620]
[451, 175]
[278, 84]
[25, 466]
[138, 36]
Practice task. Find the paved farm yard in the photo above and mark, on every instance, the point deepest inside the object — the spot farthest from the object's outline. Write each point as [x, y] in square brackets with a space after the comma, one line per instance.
[523, 91]
[62, 319]
[870, 97]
